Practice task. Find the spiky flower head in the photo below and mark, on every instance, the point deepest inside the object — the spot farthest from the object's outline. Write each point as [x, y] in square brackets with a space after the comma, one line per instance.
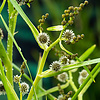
[69, 98]
[64, 60]
[16, 79]
[60, 97]
[55, 66]
[24, 88]
[2, 89]
[84, 73]
[81, 80]
[43, 38]
[68, 35]
[62, 77]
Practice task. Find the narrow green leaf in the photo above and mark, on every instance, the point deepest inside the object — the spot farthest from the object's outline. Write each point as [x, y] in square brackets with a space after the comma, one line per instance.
[4, 56]
[54, 89]
[18, 48]
[94, 72]
[7, 62]
[87, 53]
[55, 28]
[35, 95]
[38, 91]
[2, 6]
[26, 19]
[23, 15]
[49, 73]
[8, 87]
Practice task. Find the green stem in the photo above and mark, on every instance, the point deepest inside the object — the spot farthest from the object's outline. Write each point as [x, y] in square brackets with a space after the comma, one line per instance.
[94, 72]
[11, 94]
[20, 91]
[71, 82]
[37, 79]
[6, 61]
[2, 6]
[54, 89]
[80, 97]
[12, 25]
[49, 73]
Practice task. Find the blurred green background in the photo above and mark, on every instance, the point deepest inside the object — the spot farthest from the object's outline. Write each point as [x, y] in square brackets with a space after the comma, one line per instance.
[87, 23]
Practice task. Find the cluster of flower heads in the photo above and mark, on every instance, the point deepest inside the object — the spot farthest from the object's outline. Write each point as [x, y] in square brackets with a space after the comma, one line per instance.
[71, 12]
[63, 61]
[69, 37]
[23, 2]
[62, 95]
[83, 75]
[24, 87]
[2, 89]
[43, 38]
[23, 66]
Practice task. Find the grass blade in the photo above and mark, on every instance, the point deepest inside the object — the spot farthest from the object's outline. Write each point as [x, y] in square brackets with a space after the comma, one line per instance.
[26, 19]
[8, 87]
[18, 48]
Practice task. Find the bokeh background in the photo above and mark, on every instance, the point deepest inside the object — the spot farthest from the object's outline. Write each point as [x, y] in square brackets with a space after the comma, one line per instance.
[87, 23]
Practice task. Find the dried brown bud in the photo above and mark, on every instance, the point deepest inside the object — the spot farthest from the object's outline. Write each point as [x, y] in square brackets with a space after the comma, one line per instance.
[46, 15]
[63, 22]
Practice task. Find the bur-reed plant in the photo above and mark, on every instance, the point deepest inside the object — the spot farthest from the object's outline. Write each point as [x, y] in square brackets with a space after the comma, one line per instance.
[61, 69]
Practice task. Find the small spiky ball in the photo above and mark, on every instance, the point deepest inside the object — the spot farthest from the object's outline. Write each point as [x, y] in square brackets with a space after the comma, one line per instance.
[2, 89]
[63, 77]
[60, 97]
[81, 80]
[84, 73]
[43, 38]
[69, 98]
[24, 88]
[16, 79]
[68, 35]
[55, 66]
[64, 60]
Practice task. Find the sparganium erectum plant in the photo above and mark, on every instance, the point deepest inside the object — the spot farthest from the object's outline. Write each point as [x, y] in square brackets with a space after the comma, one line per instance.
[61, 69]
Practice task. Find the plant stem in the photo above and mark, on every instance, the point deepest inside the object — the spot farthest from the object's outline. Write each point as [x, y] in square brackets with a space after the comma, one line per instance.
[12, 25]
[80, 97]
[2, 6]
[94, 72]
[6, 61]
[11, 94]
[37, 79]
[54, 89]
[20, 91]
[71, 82]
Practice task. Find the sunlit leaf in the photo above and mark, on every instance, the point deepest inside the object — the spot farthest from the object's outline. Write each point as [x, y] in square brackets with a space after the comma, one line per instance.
[55, 28]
